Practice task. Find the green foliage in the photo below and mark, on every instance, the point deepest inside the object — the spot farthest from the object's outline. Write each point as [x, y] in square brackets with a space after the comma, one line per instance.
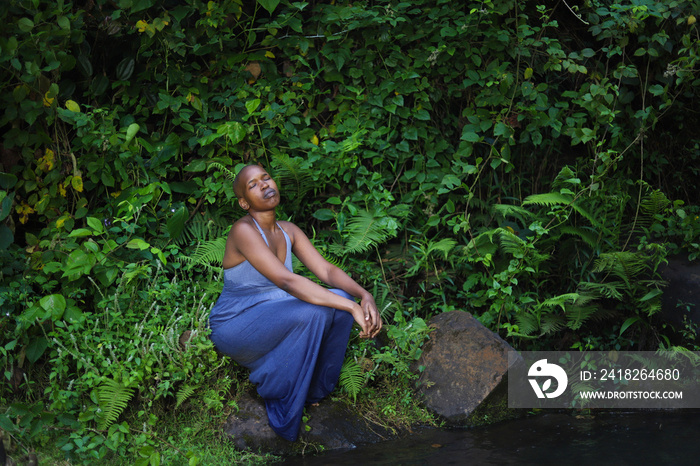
[351, 378]
[527, 162]
[112, 398]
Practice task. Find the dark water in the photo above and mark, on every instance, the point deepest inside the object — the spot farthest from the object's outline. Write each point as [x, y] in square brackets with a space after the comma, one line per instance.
[648, 438]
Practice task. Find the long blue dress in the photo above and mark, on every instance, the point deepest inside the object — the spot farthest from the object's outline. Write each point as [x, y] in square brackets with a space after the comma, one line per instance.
[294, 349]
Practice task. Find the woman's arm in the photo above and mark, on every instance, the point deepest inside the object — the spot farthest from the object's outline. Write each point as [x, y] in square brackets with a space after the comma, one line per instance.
[331, 274]
[250, 244]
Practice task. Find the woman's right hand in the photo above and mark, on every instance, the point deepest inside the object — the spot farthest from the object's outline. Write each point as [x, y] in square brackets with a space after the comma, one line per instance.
[361, 318]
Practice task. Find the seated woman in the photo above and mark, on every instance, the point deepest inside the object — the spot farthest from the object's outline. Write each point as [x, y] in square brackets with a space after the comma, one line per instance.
[290, 332]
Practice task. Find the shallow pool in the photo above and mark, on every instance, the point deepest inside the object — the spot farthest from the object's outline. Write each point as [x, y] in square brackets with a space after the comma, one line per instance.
[605, 438]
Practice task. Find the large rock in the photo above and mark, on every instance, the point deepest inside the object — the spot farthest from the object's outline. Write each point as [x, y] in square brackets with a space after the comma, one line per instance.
[331, 425]
[464, 362]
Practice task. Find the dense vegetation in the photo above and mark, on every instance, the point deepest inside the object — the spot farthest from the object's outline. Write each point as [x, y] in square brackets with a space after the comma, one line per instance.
[533, 163]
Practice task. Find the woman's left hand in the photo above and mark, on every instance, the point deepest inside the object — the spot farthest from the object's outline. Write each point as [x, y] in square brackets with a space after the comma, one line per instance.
[371, 313]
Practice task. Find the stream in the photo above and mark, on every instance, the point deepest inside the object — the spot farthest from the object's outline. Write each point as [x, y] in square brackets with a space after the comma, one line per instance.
[605, 438]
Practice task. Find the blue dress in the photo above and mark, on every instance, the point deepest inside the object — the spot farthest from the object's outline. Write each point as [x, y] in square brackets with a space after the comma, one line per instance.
[294, 349]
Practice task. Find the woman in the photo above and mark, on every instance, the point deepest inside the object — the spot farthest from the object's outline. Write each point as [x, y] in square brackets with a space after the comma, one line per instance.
[290, 332]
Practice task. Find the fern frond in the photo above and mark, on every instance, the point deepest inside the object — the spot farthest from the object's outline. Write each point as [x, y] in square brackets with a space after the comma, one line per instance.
[482, 244]
[552, 322]
[363, 231]
[625, 265]
[606, 290]
[183, 394]
[351, 378]
[577, 315]
[445, 246]
[528, 323]
[202, 228]
[653, 205]
[511, 243]
[209, 254]
[113, 398]
[548, 199]
[294, 180]
[589, 237]
[224, 169]
[561, 300]
[518, 212]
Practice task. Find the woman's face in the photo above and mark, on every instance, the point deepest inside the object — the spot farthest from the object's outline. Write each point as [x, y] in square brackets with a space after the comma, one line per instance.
[259, 190]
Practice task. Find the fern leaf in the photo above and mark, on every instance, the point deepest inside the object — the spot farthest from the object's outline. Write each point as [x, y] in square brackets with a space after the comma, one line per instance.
[528, 323]
[606, 290]
[552, 323]
[625, 265]
[561, 300]
[209, 254]
[225, 170]
[365, 230]
[548, 199]
[589, 237]
[294, 180]
[351, 378]
[510, 242]
[183, 394]
[577, 315]
[445, 246]
[113, 398]
[513, 211]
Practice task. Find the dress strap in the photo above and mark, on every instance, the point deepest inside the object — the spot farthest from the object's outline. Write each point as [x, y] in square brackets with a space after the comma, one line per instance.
[263, 234]
[260, 230]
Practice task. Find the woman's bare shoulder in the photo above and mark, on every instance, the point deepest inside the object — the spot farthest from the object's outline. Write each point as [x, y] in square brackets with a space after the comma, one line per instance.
[290, 228]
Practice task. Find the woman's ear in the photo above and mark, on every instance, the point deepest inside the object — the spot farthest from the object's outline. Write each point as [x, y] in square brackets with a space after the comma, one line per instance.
[243, 203]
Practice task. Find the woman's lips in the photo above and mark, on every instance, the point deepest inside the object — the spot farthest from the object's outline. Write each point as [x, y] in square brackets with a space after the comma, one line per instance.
[269, 193]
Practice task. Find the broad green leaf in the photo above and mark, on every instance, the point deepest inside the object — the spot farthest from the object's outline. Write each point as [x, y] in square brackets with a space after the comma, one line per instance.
[137, 243]
[72, 106]
[176, 223]
[36, 349]
[470, 136]
[628, 323]
[324, 214]
[95, 224]
[131, 131]
[6, 237]
[25, 24]
[73, 314]
[54, 302]
[252, 105]
[80, 232]
[269, 5]
[64, 23]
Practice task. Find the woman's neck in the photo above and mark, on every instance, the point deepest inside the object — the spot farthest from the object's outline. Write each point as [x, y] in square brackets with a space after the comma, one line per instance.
[266, 220]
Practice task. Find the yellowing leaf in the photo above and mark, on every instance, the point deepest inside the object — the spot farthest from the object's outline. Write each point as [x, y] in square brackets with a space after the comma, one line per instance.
[77, 183]
[48, 100]
[314, 140]
[528, 73]
[269, 54]
[72, 106]
[691, 20]
[141, 25]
